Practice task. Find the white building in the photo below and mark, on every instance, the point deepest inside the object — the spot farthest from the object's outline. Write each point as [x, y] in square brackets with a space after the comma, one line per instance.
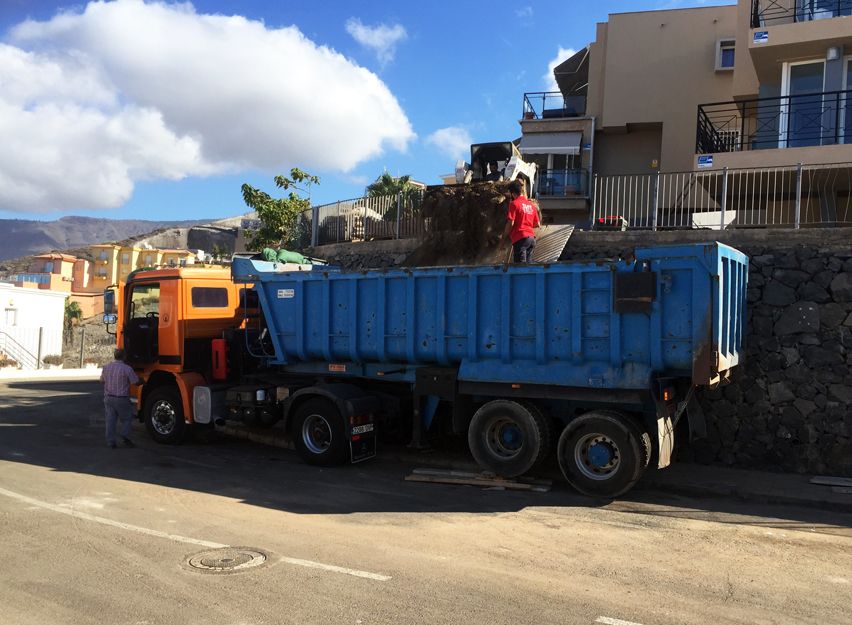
[31, 322]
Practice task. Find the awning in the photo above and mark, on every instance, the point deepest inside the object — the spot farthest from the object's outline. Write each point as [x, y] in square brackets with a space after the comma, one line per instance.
[551, 143]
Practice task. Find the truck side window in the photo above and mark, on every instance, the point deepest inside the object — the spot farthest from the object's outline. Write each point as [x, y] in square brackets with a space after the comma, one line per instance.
[145, 301]
[209, 297]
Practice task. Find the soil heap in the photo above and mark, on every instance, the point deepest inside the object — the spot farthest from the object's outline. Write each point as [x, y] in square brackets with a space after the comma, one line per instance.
[465, 225]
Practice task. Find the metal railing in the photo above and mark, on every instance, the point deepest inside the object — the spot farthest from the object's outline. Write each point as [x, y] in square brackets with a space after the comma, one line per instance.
[563, 183]
[35, 278]
[368, 218]
[23, 346]
[771, 12]
[772, 123]
[552, 105]
[794, 197]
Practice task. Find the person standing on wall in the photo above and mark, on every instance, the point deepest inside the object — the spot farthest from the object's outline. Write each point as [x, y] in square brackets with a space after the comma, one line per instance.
[117, 377]
[523, 219]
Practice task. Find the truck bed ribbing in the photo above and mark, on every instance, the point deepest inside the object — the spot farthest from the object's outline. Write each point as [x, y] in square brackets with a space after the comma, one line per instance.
[676, 310]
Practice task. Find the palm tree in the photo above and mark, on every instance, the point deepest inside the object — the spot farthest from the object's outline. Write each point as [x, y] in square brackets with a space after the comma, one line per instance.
[73, 316]
[388, 185]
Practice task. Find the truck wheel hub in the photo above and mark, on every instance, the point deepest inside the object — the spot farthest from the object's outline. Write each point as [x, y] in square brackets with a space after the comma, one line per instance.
[316, 434]
[597, 456]
[163, 415]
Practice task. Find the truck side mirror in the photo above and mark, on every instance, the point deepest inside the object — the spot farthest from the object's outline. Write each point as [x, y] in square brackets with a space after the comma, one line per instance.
[109, 302]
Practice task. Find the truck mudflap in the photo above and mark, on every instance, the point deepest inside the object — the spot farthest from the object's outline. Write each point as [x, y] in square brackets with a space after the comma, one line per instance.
[667, 422]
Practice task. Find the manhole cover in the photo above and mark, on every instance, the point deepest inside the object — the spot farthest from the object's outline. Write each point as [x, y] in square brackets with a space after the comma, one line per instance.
[227, 560]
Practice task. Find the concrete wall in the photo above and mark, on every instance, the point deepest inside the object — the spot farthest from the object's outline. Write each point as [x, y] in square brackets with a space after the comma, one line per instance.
[623, 153]
[24, 311]
[790, 405]
[656, 67]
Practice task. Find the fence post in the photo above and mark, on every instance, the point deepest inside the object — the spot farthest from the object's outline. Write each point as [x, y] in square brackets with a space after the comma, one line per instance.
[364, 225]
[314, 226]
[595, 195]
[337, 227]
[656, 201]
[798, 195]
[724, 197]
[38, 357]
[82, 344]
[398, 211]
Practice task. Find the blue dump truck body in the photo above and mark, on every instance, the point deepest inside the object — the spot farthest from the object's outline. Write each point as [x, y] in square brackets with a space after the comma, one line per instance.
[674, 311]
[566, 331]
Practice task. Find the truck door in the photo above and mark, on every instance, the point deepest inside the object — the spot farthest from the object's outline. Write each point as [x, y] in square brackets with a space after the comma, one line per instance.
[142, 323]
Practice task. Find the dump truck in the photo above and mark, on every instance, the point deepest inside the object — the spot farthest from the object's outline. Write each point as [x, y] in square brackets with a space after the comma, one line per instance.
[597, 362]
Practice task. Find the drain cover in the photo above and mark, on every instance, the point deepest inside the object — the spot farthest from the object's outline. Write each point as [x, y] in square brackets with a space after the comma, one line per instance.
[227, 560]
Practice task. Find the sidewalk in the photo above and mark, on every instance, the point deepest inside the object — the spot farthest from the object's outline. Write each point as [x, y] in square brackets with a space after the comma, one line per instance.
[692, 480]
[49, 375]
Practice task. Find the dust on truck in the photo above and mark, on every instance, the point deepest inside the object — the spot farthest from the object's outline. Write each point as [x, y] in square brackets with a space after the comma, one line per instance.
[595, 361]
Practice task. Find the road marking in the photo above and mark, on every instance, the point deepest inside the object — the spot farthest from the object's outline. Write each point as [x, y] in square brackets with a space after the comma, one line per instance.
[17, 425]
[336, 569]
[605, 620]
[184, 539]
[104, 521]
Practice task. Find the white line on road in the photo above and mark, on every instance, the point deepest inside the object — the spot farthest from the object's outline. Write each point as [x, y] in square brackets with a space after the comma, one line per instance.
[182, 539]
[605, 620]
[104, 521]
[335, 569]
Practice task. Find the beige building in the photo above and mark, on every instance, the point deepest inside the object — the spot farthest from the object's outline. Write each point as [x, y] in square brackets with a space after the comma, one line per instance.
[759, 84]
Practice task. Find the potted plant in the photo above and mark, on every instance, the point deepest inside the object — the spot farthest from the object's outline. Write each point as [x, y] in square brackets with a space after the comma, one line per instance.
[54, 361]
[91, 363]
[7, 363]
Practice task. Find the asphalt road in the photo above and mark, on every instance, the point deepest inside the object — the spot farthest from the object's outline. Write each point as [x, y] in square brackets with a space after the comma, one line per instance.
[93, 535]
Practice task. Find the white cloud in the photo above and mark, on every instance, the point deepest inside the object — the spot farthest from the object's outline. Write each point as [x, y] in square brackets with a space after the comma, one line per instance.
[454, 141]
[562, 55]
[381, 39]
[93, 101]
[524, 12]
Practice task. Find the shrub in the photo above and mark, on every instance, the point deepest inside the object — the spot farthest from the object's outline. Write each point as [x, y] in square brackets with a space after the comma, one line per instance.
[7, 362]
[53, 359]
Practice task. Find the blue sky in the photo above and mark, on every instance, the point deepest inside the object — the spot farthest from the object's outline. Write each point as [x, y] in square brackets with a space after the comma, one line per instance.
[157, 112]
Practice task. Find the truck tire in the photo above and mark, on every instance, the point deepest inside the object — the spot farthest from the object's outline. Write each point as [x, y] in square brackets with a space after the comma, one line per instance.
[163, 415]
[319, 433]
[603, 454]
[509, 438]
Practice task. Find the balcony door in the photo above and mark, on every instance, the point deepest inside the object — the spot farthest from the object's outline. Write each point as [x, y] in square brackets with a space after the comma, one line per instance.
[802, 108]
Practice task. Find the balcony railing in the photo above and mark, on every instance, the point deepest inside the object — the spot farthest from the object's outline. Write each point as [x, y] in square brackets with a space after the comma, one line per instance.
[33, 278]
[771, 12]
[553, 105]
[563, 183]
[772, 123]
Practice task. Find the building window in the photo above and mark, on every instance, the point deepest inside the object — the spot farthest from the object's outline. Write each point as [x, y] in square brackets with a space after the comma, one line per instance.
[125, 258]
[148, 260]
[725, 54]
[11, 316]
[103, 255]
[48, 267]
[209, 297]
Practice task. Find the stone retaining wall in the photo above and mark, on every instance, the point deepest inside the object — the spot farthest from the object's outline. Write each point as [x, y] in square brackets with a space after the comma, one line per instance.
[790, 404]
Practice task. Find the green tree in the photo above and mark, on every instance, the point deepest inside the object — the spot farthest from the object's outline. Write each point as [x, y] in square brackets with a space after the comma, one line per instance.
[279, 217]
[73, 316]
[390, 185]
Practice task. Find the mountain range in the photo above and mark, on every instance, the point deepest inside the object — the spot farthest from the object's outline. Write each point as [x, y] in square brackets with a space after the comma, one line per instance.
[24, 237]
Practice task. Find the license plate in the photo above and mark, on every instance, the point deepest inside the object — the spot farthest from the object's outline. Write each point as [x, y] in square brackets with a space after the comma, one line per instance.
[362, 429]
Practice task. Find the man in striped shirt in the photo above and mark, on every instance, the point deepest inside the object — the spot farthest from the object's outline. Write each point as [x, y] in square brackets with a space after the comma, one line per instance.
[117, 377]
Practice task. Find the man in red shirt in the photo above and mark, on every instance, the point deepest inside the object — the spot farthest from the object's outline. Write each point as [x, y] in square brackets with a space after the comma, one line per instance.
[523, 220]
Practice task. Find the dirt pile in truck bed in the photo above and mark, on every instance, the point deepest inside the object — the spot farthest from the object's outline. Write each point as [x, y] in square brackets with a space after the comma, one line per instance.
[465, 224]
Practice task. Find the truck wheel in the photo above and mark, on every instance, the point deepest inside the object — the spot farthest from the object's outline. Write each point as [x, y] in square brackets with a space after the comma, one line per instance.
[163, 415]
[603, 453]
[509, 438]
[319, 433]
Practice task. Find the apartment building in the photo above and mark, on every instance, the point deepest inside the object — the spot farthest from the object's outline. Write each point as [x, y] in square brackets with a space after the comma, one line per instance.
[764, 83]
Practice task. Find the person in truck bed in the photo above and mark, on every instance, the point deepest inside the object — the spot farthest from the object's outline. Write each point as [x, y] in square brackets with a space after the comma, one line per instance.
[523, 219]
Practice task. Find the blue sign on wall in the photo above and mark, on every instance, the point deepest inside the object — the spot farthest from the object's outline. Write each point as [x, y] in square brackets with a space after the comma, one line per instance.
[705, 161]
[761, 36]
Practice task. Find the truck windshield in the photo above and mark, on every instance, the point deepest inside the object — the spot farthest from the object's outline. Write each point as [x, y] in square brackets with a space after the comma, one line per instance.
[145, 301]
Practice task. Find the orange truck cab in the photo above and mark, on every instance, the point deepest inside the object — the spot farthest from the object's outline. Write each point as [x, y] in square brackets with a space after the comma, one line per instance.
[171, 324]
